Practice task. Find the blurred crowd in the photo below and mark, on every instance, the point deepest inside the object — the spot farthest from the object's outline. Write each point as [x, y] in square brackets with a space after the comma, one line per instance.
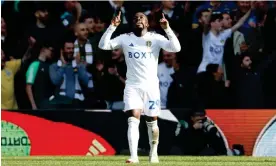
[50, 57]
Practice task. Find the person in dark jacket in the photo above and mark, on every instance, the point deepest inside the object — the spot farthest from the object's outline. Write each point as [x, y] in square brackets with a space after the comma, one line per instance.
[198, 136]
[248, 83]
[211, 88]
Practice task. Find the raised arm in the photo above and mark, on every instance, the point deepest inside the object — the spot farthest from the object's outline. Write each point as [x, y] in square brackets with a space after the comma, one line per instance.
[106, 43]
[171, 45]
[243, 19]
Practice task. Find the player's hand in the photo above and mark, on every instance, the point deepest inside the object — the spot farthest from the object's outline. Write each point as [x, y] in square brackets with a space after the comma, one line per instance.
[116, 20]
[164, 22]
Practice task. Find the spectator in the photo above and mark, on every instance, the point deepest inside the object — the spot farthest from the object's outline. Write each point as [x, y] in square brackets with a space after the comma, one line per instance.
[198, 136]
[234, 45]
[3, 30]
[251, 22]
[8, 71]
[181, 90]
[213, 6]
[214, 39]
[72, 14]
[165, 70]
[84, 49]
[42, 30]
[37, 76]
[171, 13]
[211, 88]
[269, 32]
[116, 75]
[248, 82]
[82, 45]
[68, 76]
[238, 44]
[194, 50]
[89, 20]
[151, 14]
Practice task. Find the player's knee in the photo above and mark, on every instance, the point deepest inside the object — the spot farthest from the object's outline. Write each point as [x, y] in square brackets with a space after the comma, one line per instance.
[151, 119]
[134, 113]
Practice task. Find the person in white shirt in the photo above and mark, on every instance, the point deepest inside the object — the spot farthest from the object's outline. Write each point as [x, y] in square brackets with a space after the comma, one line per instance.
[165, 70]
[214, 39]
[141, 95]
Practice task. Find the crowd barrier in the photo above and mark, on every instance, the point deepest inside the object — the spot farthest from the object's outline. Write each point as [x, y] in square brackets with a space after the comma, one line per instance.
[103, 132]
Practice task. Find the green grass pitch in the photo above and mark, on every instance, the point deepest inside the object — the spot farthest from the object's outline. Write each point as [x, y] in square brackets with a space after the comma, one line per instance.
[120, 160]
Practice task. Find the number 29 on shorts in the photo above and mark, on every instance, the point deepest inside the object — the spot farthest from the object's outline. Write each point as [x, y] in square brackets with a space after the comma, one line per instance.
[153, 104]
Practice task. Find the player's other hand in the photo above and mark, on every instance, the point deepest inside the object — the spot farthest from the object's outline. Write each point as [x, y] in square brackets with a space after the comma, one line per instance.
[116, 20]
[164, 22]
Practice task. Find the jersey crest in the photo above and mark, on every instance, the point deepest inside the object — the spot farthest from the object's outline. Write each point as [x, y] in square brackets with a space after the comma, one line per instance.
[148, 43]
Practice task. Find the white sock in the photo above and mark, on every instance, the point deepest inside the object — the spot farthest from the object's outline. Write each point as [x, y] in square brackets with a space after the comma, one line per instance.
[153, 133]
[133, 136]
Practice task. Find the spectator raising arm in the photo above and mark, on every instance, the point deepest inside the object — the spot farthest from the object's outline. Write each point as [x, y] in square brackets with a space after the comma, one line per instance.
[243, 19]
[27, 54]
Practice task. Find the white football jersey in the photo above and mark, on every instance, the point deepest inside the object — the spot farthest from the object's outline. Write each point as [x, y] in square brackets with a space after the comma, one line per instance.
[141, 54]
[213, 48]
[165, 80]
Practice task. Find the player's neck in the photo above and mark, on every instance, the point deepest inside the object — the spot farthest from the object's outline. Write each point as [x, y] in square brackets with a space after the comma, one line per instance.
[139, 32]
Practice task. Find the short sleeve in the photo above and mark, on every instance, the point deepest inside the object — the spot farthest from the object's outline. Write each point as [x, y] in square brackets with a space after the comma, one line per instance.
[31, 72]
[226, 34]
[14, 65]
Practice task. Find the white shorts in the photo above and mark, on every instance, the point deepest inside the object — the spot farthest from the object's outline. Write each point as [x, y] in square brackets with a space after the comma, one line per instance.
[146, 100]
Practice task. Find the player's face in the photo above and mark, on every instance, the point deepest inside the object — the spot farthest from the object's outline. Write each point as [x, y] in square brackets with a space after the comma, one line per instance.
[82, 31]
[140, 21]
[246, 62]
[90, 23]
[227, 21]
[68, 51]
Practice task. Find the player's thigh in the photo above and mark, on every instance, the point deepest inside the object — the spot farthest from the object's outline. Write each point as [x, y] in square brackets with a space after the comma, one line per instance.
[132, 99]
[152, 105]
